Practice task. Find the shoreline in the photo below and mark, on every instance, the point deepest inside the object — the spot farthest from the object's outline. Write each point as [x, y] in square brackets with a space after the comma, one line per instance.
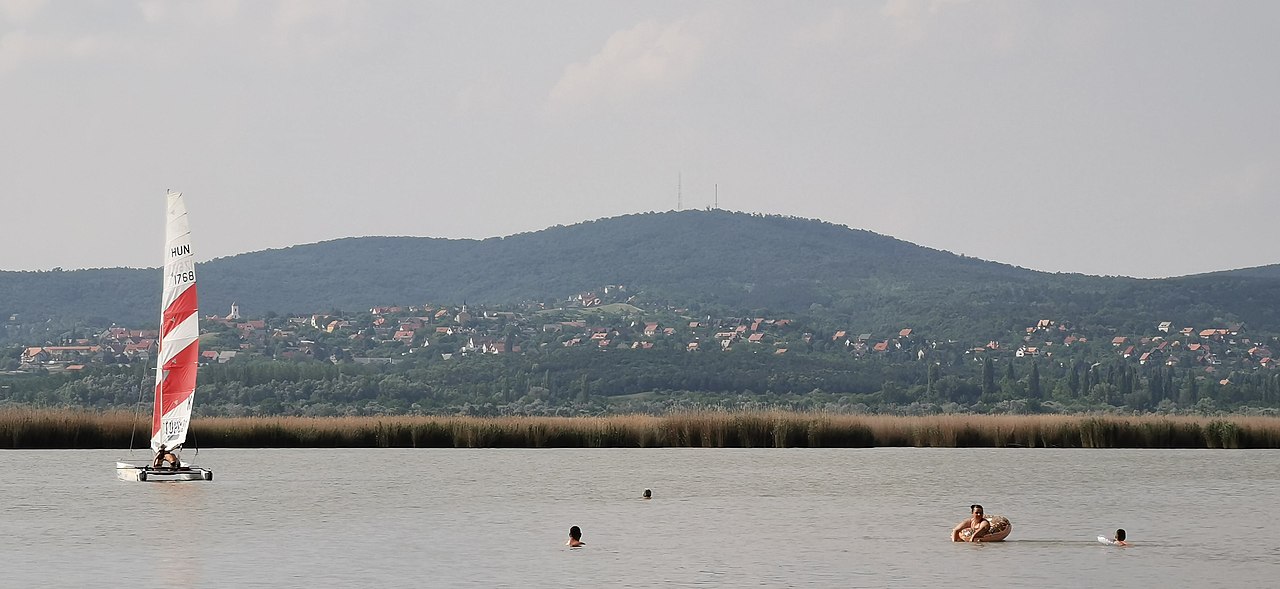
[73, 429]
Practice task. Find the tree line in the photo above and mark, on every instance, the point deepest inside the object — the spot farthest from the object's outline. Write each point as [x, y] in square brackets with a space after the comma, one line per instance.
[598, 382]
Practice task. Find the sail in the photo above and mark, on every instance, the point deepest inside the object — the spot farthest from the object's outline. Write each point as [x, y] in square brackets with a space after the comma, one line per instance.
[179, 352]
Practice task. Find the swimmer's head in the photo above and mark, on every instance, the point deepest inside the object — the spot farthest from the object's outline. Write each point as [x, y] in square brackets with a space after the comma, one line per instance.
[648, 493]
[1120, 534]
[575, 532]
[975, 509]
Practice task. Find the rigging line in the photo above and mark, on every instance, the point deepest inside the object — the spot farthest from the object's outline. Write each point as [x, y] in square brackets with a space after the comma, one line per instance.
[137, 412]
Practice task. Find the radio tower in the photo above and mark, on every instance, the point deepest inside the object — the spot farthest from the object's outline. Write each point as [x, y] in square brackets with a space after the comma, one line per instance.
[717, 201]
[679, 196]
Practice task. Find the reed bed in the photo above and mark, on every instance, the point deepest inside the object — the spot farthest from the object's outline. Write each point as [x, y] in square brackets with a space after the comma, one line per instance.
[21, 428]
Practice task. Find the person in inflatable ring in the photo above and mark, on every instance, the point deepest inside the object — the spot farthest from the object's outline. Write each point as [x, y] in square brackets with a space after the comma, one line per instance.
[976, 522]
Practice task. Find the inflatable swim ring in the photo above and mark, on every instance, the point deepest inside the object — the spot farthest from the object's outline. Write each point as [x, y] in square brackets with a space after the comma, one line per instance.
[1000, 528]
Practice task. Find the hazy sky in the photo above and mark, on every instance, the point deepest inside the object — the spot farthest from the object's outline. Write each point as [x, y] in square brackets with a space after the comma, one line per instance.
[1134, 138]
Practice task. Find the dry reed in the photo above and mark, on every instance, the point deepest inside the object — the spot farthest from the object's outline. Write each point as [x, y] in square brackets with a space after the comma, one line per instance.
[35, 428]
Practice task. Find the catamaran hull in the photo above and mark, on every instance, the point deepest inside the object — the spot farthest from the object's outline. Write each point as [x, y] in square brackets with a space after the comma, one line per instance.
[146, 473]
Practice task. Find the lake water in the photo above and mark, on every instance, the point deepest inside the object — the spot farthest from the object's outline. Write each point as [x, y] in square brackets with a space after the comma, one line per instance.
[719, 518]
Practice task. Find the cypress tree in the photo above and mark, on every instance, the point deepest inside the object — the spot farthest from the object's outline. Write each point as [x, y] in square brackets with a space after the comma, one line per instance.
[1033, 382]
[988, 377]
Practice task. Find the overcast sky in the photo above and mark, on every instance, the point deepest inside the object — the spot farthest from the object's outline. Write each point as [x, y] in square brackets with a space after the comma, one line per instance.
[1131, 138]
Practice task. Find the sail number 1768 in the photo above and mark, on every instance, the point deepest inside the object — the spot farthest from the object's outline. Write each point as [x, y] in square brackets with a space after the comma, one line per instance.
[183, 277]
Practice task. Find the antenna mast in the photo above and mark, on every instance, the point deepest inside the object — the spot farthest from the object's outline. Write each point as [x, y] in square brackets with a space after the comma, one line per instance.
[717, 201]
[679, 195]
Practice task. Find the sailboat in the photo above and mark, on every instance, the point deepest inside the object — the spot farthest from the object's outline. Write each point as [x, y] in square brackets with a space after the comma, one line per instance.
[179, 356]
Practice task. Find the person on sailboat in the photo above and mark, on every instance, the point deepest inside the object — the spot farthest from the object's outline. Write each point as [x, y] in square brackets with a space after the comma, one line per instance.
[162, 456]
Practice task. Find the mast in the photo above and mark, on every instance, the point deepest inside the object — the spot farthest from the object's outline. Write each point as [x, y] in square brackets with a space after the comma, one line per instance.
[179, 352]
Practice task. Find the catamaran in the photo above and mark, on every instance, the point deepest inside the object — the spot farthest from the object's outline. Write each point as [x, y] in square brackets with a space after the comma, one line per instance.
[179, 356]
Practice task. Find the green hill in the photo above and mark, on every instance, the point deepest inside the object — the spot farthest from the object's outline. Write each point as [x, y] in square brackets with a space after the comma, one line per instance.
[705, 259]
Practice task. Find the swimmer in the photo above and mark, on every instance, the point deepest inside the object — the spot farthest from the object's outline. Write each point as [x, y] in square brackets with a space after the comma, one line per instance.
[1119, 539]
[976, 522]
[575, 538]
[647, 494]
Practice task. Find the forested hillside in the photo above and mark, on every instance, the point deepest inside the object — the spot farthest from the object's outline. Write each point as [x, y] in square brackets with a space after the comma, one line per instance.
[701, 259]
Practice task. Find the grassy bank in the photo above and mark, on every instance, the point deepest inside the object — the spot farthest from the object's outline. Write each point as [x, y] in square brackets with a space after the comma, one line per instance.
[69, 429]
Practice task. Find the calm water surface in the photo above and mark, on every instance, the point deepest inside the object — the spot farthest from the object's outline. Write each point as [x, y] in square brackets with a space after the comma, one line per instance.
[719, 518]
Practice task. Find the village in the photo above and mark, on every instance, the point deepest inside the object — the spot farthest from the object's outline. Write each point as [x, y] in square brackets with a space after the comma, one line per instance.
[604, 320]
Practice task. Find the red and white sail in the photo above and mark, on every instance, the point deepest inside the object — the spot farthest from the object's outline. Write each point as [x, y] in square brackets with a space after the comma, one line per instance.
[179, 333]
